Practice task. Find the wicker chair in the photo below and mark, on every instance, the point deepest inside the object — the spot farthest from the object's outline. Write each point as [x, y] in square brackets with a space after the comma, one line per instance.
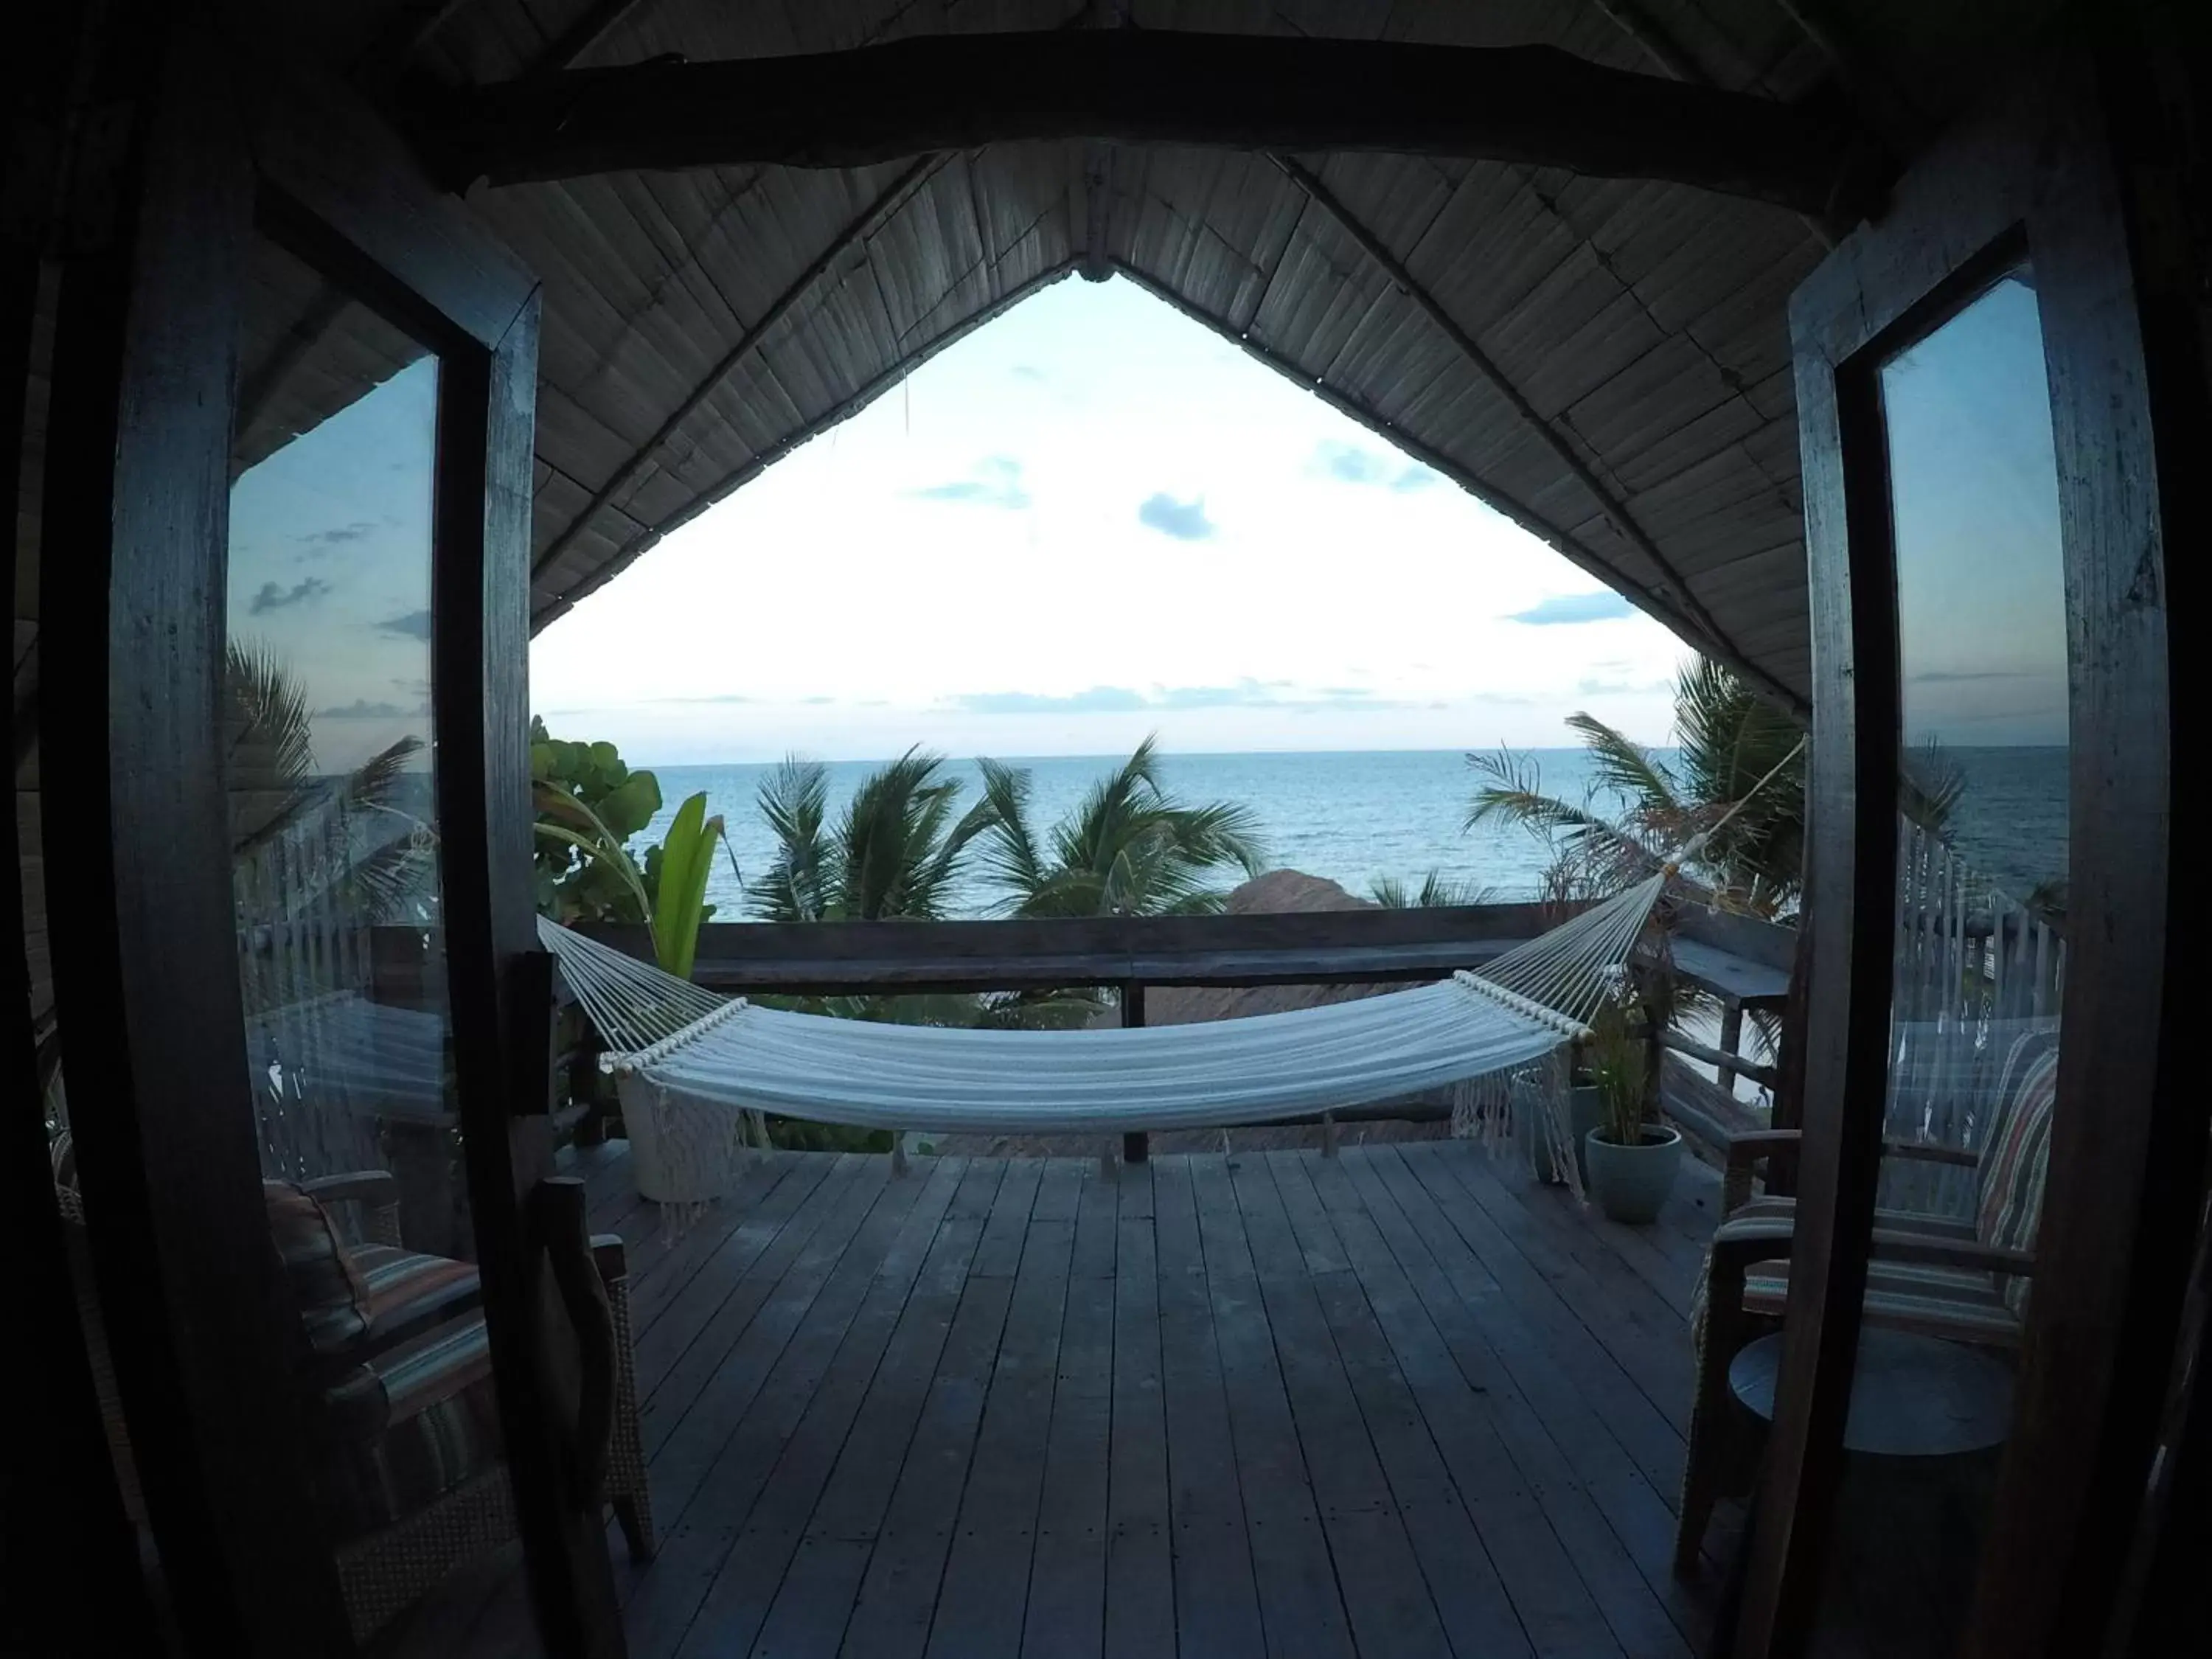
[1964, 1281]
[410, 1478]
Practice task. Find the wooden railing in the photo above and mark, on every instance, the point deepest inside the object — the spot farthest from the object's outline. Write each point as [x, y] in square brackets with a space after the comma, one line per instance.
[1300, 948]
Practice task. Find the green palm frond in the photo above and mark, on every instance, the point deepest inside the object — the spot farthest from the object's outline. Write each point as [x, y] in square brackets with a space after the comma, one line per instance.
[268, 748]
[1437, 891]
[796, 886]
[1127, 849]
[1931, 782]
[1626, 767]
[1009, 857]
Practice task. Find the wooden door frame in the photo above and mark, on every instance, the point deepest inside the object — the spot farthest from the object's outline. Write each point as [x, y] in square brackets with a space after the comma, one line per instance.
[2037, 173]
[220, 138]
[74, 1582]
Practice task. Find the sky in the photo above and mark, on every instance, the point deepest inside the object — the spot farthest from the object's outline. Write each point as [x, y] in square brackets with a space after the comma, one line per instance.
[1090, 520]
[329, 567]
[1974, 495]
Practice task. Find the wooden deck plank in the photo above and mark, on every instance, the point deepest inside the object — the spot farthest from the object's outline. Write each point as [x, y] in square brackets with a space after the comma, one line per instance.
[1482, 1428]
[1060, 1188]
[1385, 1597]
[773, 1240]
[680, 1255]
[1470, 1598]
[1641, 1330]
[1393, 1403]
[1140, 1581]
[1001, 1251]
[678, 1308]
[807, 1617]
[898, 1588]
[1217, 1601]
[1065, 1617]
[1616, 1526]
[982, 1601]
[772, 1376]
[1301, 1598]
[1633, 1419]
[734, 1608]
[1098, 1223]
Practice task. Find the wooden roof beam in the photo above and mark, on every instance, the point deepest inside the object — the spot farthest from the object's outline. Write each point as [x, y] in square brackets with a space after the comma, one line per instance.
[1672, 590]
[1535, 105]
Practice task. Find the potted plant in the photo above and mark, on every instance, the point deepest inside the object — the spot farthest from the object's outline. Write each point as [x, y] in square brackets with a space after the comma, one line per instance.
[1632, 1158]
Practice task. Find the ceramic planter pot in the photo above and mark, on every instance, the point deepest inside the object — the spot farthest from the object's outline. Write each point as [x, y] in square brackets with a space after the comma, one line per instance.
[1585, 1111]
[1631, 1183]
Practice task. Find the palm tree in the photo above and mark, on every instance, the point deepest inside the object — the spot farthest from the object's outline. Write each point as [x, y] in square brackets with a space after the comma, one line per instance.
[1437, 890]
[1129, 849]
[1730, 741]
[268, 758]
[895, 851]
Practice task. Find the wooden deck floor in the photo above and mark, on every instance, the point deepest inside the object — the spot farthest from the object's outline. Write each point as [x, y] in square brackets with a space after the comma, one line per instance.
[1398, 1404]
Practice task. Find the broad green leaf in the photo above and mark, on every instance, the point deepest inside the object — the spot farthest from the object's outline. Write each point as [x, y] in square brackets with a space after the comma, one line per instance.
[609, 857]
[686, 852]
[631, 806]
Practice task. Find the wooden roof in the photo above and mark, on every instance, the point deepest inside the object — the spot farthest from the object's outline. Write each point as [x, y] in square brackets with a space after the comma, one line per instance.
[1605, 361]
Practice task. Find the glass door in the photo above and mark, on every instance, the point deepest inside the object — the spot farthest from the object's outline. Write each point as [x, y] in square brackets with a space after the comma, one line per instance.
[1977, 969]
[287, 819]
[331, 786]
[1976, 1313]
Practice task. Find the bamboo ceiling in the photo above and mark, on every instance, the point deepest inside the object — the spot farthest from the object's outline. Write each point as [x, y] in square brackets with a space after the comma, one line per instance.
[1605, 362]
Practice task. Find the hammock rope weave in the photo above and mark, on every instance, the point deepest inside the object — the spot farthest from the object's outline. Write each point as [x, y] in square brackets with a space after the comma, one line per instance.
[690, 1062]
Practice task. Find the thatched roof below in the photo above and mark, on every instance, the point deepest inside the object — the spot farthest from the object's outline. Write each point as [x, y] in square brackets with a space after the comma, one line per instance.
[1278, 892]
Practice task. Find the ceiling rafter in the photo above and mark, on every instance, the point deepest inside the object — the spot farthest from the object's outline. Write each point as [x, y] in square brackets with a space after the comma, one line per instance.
[871, 219]
[1631, 18]
[586, 33]
[1672, 593]
[730, 483]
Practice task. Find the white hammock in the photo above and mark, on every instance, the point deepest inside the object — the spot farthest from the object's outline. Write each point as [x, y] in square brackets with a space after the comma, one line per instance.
[689, 1062]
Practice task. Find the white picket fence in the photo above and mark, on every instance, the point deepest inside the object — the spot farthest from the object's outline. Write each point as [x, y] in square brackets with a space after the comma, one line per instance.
[304, 963]
[1971, 966]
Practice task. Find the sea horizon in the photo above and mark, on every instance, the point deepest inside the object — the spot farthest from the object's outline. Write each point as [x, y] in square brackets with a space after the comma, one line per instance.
[1356, 816]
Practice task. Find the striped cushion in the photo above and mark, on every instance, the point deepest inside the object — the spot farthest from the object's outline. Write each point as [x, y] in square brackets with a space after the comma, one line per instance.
[2016, 1155]
[332, 1298]
[403, 1285]
[347, 1292]
[1935, 1301]
[411, 1425]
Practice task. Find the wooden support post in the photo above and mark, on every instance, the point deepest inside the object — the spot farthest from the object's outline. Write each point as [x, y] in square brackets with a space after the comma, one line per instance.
[1328, 1135]
[1731, 1041]
[1136, 1145]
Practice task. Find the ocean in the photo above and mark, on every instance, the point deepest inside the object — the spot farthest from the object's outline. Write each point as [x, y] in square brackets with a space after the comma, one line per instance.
[1350, 817]
[1356, 816]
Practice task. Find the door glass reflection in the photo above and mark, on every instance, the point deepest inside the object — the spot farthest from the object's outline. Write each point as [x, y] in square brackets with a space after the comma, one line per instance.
[1979, 964]
[328, 745]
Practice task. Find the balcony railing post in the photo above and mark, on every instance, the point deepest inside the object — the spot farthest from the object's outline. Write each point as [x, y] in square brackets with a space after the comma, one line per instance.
[1136, 1145]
